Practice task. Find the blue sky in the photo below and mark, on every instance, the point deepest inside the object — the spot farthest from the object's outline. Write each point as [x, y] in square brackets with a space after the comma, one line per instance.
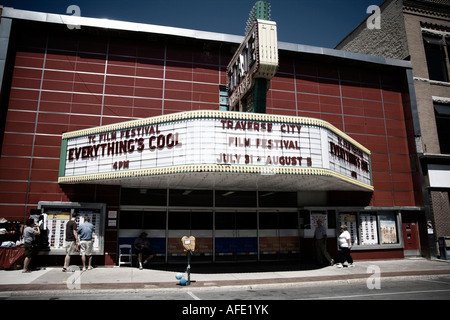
[318, 23]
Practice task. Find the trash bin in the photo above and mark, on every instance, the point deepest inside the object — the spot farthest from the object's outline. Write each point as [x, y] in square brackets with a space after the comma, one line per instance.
[444, 248]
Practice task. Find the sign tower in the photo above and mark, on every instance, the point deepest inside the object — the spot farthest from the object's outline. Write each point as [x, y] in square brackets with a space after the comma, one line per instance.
[254, 63]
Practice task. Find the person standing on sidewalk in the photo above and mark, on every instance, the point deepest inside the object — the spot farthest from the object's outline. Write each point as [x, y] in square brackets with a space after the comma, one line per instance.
[72, 241]
[29, 234]
[320, 244]
[345, 243]
[85, 234]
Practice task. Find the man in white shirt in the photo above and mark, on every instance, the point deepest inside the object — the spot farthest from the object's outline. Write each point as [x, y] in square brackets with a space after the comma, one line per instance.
[345, 244]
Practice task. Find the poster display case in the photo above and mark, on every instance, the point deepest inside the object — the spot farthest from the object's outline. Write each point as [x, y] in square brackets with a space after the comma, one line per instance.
[310, 223]
[373, 229]
[388, 228]
[59, 213]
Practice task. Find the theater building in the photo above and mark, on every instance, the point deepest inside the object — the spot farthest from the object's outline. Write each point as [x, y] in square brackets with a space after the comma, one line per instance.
[130, 123]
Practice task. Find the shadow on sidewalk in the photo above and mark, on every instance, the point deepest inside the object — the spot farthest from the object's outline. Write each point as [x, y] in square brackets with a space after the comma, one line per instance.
[237, 267]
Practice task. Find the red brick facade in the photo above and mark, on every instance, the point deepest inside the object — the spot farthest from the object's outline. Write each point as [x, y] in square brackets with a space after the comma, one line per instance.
[64, 80]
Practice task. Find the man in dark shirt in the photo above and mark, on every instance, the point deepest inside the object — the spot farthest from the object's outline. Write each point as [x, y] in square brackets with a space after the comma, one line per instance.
[320, 243]
[72, 241]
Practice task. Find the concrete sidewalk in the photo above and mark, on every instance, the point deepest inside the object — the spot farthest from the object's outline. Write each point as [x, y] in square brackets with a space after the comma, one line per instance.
[210, 276]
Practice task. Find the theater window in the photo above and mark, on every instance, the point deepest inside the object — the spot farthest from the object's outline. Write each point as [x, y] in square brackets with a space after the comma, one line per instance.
[223, 98]
[442, 114]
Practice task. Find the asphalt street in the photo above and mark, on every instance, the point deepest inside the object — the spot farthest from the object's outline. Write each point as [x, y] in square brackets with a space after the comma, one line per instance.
[405, 288]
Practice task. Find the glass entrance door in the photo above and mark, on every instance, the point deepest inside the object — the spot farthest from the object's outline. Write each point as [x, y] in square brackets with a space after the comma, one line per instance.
[153, 222]
[278, 235]
[236, 237]
[197, 223]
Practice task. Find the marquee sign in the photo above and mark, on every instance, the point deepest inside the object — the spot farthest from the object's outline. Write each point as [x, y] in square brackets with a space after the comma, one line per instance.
[213, 144]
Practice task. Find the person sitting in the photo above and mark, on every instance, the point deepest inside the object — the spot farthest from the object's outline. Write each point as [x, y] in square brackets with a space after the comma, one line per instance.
[143, 249]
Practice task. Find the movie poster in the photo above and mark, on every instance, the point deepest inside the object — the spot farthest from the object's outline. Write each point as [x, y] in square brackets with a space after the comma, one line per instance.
[315, 216]
[368, 232]
[349, 219]
[388, 229]
[56, 226]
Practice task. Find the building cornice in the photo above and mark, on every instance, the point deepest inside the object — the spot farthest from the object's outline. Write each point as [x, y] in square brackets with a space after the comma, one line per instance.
[12, 13]
[433, 8]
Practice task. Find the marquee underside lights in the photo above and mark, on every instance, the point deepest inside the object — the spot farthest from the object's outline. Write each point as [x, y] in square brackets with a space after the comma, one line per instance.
[217, 149]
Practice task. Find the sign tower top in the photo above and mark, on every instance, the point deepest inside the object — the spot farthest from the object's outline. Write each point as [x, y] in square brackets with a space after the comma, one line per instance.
[261, 11]
[254, 63]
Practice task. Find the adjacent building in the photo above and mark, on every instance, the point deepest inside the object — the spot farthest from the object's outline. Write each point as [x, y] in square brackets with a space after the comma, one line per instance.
[419, 31]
